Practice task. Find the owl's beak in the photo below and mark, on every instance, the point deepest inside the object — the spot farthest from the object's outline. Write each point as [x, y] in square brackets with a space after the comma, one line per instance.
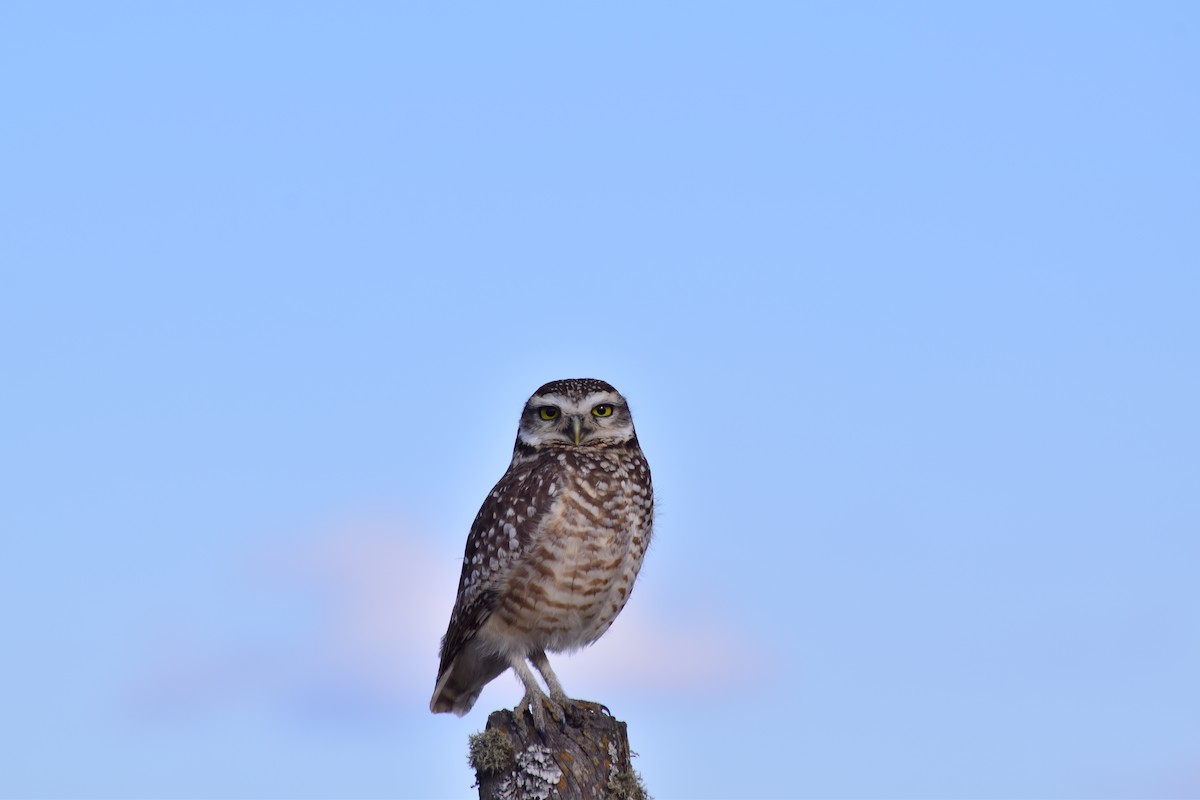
[577, 428]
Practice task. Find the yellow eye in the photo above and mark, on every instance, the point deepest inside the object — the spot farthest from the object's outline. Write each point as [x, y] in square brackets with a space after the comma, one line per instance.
[602, 410]
[548, 412]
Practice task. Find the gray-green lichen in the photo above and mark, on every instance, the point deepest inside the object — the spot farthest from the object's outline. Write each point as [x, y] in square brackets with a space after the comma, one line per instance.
[624, 785]
[535, 778]
[490, 752]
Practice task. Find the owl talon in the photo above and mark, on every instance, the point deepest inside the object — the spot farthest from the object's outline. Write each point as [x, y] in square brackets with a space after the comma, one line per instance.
[592, 705]
[558, 713]
[535, 712]
[537, 703]
[578, 711]
[572, 714]
[539, 718]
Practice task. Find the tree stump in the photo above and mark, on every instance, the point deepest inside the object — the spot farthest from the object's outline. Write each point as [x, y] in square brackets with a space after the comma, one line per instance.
[586, 756]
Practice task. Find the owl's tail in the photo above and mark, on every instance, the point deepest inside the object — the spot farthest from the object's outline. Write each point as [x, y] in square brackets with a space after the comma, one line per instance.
[459, 685]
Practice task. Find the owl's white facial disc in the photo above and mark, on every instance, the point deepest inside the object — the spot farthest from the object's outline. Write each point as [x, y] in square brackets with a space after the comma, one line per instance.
[551, 417]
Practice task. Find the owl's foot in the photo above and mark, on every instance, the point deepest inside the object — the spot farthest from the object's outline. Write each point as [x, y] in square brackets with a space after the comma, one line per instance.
[576, 711]
[588, 705]
[538, 703]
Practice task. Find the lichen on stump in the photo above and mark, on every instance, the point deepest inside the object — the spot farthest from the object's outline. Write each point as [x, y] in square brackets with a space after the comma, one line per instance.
[586, 756]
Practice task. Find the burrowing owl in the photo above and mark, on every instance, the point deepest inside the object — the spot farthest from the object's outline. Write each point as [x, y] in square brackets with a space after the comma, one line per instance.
[553, 553]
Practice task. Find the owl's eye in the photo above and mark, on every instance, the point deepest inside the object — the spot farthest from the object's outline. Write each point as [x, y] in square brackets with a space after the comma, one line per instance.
[602, 410]
[548, 412]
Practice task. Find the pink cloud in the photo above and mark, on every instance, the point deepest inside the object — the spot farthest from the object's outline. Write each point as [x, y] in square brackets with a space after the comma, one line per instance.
[383, 594]
[396, 593]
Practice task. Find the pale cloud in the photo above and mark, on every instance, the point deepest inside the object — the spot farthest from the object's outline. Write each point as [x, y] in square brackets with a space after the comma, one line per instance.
[381, 594]
[392, 598]
[387, 596]
[645, 651]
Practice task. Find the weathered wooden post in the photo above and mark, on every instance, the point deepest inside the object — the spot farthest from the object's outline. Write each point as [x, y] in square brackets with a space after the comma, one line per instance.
[586, 756]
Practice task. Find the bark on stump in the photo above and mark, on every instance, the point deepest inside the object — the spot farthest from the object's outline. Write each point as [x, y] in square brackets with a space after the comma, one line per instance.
[585, 756]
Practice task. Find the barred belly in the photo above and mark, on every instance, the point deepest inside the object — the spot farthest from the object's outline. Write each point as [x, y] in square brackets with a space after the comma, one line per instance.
[567, 594]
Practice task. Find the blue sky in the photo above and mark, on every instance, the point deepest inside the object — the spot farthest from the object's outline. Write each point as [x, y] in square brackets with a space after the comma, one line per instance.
[904, 298]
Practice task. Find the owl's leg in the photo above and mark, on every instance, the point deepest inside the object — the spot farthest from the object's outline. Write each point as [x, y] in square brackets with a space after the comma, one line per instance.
[572, 709]
[535, 699]
[538, 657]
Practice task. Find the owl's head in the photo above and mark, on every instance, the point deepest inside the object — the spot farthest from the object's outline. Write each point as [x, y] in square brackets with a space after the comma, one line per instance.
[576, 412]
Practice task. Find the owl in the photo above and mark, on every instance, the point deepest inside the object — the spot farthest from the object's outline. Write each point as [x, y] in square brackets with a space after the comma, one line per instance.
[553, 553]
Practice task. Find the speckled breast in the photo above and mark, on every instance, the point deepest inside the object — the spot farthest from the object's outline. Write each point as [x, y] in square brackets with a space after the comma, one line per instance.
[587, 551]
